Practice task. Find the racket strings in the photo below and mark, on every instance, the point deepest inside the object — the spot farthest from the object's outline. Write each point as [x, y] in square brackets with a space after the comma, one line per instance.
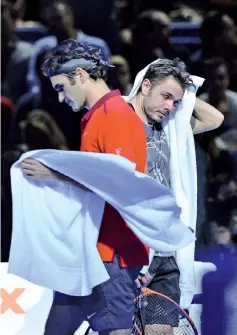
[156, 315]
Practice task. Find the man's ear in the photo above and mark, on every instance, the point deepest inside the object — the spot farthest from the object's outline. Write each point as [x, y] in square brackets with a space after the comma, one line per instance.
[82, 75]
[146, 87]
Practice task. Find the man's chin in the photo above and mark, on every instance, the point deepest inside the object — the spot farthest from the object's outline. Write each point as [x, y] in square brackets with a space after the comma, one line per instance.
[157, 119]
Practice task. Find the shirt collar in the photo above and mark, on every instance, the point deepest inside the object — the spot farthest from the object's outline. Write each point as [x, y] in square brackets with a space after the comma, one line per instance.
[100, 102]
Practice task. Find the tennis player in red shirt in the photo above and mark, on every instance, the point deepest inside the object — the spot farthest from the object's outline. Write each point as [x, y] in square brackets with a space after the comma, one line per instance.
[78, 74]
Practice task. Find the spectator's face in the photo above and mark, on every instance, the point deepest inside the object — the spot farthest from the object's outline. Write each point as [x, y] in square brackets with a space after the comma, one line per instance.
[161, 99]
[71, 94]
[222, 235]
[161, 31]
[219, 79]
[229, 35]
[120, 78]
[58, 19]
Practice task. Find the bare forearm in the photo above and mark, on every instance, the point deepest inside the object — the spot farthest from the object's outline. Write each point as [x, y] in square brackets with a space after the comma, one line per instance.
[209, 117]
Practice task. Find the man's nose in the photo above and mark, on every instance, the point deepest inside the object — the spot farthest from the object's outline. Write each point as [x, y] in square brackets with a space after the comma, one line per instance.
[169, 105]
[61, 97]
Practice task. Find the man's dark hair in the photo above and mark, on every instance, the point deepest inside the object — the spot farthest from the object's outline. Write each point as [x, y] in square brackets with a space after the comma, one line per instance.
[165, 68]
[69, 50]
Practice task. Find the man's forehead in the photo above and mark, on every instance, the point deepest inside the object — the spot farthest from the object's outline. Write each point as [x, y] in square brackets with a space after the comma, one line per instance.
[171, 86]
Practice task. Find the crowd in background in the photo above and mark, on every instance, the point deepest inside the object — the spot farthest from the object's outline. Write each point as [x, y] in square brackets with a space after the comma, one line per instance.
[131, 34]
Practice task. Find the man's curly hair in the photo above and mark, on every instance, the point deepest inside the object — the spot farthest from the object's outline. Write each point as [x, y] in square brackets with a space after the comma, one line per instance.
[71, 49]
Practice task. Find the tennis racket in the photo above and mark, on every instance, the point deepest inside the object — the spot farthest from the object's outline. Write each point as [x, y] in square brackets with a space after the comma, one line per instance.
[157, 314]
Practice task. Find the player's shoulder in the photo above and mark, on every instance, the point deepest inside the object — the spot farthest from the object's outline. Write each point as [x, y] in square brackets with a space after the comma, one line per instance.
[118, 107]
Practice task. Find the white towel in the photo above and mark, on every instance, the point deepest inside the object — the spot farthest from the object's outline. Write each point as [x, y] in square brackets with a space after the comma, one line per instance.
[183, 175]
[56, 224]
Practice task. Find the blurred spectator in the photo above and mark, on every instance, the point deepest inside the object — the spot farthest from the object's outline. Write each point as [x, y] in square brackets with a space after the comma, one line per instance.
[58, 19]
[218, 94]
[46, 99]
[9, 154]
[15, 57]
[218, 34]
[119, 77]
[219, 39]
[27, 25]
[224, 100]
[185, 13]
[220, 223]
[162, 5]
[215, 166]
[40, 131]
[26, 15]
[98, 18]
[126, 13]
[221, 201]
[151, 40]
[220, 287]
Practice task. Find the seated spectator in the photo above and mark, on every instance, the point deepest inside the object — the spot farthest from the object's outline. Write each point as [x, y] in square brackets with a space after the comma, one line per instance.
[220, 215]
[151, 40]
[104, 25]
[15, 57]
[9, 155]
[26, 14]
[218, 94]
[219, 39]
[184, 13]
[40, 131]
[27, 25]
[119, 76]
[58, 19]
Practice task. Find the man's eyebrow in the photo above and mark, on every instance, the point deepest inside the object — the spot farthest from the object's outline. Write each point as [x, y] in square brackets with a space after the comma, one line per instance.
[172, 97]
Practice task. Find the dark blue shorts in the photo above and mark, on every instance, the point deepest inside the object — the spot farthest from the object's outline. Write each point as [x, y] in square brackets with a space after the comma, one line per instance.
[109, 307]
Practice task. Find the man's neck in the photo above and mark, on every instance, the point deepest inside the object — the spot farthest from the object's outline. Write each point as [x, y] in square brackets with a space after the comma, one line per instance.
[97, 90]
[137, 103]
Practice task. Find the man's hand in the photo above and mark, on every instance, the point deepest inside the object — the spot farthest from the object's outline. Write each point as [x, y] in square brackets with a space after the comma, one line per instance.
[143, 280]
[35, 169]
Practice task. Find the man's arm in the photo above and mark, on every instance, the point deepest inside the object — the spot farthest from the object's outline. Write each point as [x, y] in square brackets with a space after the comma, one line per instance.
[36, 170]
[209, 117]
